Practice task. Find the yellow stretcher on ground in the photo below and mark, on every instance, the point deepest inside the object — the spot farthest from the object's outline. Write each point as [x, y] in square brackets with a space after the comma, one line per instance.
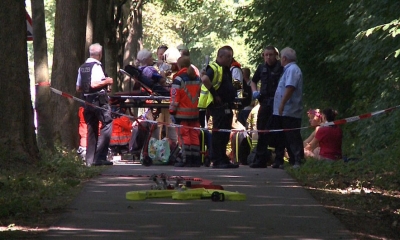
[187, 194]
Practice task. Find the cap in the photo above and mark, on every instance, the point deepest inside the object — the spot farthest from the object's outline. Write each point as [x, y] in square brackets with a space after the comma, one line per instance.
[172, 55]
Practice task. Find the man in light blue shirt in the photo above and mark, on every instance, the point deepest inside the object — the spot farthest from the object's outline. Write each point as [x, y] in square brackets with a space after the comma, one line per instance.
[288, 108]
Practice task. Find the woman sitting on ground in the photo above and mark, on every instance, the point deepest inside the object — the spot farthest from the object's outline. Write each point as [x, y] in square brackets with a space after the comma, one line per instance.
[329, 138]
[315, 119]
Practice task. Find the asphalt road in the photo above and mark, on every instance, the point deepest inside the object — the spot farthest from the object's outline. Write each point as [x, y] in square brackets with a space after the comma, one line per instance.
[276, 208]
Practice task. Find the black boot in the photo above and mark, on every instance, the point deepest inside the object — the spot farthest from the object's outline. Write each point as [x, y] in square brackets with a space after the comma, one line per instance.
[258, 163]
[180, 160]
[196, 157]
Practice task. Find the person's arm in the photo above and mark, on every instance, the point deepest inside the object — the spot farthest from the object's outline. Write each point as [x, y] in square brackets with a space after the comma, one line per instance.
[237, 74]
[205, 79]
[99, 84]
[312, 145]
[253, 86]
[98, 78]
[309, 139]
[255, 79]
[78, 82]
[286, 96]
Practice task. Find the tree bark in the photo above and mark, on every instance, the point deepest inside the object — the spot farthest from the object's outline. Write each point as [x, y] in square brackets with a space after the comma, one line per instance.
[69, 54]
[17, 130]
[134, 32]
[110, 44]
[44, 126]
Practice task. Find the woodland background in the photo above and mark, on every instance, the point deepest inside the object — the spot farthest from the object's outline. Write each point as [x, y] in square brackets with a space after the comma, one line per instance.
[348, 52]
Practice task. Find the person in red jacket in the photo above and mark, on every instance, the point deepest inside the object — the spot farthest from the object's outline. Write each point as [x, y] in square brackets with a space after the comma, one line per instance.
[121, 132]
[185, 93]
[329, 138]
[82, 129]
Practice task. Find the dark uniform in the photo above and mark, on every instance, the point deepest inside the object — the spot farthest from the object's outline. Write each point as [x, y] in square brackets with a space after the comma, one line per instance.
[97, 146]
[269, 76]
[222, 116]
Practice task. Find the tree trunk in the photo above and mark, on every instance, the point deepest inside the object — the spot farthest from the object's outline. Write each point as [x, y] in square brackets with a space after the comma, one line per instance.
[44, 130]
[134, 32]
[17, 130]
[69, 54]
[110, 44]
[89, 26]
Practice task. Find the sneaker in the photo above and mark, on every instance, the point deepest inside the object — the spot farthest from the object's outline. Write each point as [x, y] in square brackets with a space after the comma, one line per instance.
[258, 165]
[277, 165]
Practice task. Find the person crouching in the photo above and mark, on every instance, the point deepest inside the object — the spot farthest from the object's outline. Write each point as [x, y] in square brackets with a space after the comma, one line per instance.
[185, 91]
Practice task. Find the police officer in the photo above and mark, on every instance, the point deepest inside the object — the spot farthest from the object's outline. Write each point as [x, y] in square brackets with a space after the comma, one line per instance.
[93, 83]
[268, 73]
[217, 81]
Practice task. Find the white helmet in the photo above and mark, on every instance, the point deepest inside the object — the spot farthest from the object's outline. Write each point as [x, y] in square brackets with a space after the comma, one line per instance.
[172, 55]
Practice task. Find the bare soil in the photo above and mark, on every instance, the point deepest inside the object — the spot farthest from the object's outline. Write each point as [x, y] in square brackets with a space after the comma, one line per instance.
[366, 215]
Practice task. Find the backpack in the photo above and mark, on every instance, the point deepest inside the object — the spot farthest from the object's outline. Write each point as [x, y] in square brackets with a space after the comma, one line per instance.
[241, 147]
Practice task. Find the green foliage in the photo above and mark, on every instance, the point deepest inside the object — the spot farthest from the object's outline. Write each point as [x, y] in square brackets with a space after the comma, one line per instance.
[346, 50]
[28, 191]
[203, 26]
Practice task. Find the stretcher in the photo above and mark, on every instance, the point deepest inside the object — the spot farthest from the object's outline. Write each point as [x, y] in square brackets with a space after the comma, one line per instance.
[149, 94]
[202, 189]
[215, 195]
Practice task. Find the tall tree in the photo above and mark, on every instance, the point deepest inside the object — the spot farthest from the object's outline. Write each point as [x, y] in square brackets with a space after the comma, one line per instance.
[96, 23]
[17, 133]
[69, 54]
[44, 130]
[133, 31]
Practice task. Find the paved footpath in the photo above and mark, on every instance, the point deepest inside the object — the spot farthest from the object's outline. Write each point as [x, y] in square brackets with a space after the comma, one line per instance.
[276, 208]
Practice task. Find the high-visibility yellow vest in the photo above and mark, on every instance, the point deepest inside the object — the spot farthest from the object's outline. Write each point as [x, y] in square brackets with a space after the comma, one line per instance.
[206, 97]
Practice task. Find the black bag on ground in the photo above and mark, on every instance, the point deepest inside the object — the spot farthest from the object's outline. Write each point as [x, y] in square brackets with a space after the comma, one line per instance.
[140, 133]
[241, 147]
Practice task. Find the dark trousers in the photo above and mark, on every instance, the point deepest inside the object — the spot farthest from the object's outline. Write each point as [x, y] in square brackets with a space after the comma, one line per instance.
[222, 119]
[287, 139]
[242, 116]
[203, 118]
[97, 146]
[264, 139]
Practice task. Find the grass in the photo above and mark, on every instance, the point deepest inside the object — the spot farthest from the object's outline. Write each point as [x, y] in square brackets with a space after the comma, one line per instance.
[364, 194]
[33, 194]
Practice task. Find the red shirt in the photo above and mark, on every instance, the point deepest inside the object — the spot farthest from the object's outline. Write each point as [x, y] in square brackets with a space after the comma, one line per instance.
[330, 142]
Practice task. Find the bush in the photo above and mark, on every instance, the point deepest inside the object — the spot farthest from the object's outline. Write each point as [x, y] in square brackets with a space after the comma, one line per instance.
[31, 190]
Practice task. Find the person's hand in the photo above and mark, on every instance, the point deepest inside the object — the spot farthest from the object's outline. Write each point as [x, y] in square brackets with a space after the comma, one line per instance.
[217, 100]
[172, 117]
[109, 81]
[307, 146]
[256, 94]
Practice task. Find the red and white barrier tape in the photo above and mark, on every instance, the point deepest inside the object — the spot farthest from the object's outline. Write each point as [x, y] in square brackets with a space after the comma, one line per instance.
[336, 122]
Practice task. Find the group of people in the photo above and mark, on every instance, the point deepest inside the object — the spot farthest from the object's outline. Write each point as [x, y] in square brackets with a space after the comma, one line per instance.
[280, 108]
[213, 90]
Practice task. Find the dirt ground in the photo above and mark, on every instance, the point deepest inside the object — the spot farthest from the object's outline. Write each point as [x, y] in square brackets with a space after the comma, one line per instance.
[366, 215]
